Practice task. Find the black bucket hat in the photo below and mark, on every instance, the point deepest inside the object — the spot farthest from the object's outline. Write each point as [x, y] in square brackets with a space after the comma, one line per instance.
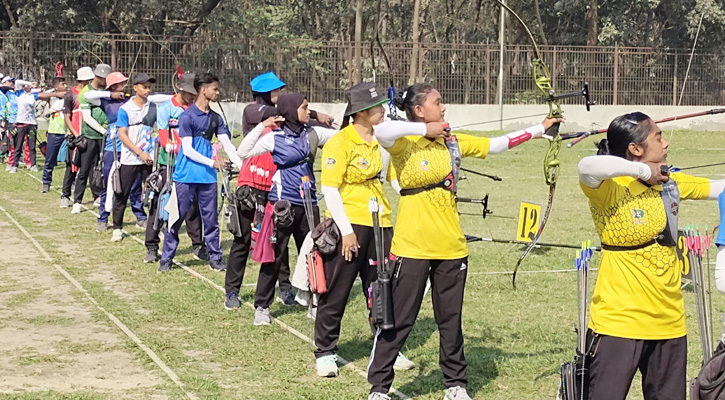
[363, 96]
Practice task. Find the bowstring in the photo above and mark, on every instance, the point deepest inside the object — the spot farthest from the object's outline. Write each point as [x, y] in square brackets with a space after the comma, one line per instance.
[687, 72]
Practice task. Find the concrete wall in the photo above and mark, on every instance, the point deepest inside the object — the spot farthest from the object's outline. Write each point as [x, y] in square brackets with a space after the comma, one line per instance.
[578, 118]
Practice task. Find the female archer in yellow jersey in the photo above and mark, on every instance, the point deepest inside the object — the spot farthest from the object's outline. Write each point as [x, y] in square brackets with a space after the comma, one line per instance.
[428, 239]
[637, 311]
[352, 165]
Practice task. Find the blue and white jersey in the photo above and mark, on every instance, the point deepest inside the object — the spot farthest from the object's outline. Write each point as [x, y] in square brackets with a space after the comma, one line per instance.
[140, 123]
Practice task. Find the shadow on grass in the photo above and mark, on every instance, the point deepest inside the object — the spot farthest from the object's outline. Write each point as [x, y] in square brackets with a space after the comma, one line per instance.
[360, 347]
[482, 367]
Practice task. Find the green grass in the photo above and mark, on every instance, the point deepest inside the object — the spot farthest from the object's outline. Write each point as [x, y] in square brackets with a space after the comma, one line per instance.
[33, 359]
[515, 340]
[49, 320]
[21, 299]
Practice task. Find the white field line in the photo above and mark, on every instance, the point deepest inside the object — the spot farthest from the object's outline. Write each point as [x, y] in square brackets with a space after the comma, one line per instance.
[288, 328]
[125, 329]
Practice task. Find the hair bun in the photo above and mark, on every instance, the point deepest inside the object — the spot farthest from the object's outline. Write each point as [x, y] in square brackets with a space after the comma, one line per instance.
[603, 147]
[399, 99]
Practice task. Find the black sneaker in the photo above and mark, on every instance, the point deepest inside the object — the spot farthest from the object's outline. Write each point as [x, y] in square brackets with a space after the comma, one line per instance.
[165, 266]
[152, 255]
[231, 301]
[45, 189]
[200, 253]
[217, 265]
[287, 298]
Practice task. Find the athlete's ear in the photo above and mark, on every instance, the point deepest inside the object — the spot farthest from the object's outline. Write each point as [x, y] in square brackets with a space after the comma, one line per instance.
[418, 110]
[635, 149]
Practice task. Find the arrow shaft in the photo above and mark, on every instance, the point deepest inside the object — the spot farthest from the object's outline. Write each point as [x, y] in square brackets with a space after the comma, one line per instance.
[579, 136]
[470, 171]
[701, 166]
[499, 120]
[538, 244]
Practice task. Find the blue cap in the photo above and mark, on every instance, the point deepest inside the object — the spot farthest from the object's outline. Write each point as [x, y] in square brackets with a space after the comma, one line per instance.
[266, 82]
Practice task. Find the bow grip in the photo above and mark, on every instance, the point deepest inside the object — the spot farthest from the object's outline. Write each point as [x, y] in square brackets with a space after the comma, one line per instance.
[552, 132]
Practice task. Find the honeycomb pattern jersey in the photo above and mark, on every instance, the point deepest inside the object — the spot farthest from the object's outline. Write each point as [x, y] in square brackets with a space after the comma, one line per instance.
[354, 165]
[427, 224]
[637, 294]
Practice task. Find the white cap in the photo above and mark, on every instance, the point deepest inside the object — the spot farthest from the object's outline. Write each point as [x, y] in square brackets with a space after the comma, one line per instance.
[20, 83]
[85, 74]
[7, 79]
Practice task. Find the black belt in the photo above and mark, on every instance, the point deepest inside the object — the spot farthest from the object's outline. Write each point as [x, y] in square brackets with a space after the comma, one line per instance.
[446, 183]
[628, 248]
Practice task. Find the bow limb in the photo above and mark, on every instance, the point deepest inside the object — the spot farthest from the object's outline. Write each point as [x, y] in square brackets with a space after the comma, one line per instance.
[392, 112]
[543, 82]
[523, 24]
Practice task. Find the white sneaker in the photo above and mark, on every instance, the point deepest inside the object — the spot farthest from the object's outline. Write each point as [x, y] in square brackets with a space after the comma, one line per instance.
[402, 363]
[378, 396]
[117, 235]
[327, 366]
[312, 312]
[457, 393]
[7, 167]
[64, 202]
[34, 168]
[13, 170]
[302, 297]
[76, 208]
[262, 317]
[97, 202]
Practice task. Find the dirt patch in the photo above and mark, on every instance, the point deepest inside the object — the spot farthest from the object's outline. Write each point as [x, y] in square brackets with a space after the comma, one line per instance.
[57, 345]
[203, 358]
[119, 288]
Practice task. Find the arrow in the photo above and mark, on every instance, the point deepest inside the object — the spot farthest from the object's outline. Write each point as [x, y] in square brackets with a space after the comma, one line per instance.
[579, 136]
[494, 177]
[470, 239]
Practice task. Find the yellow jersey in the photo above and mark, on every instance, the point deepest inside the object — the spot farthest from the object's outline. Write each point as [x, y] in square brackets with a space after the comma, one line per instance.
[427, 224]
[637, 294]
[353, 166]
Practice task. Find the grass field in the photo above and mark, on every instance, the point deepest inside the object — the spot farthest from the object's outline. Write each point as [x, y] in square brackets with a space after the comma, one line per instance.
[515, 340]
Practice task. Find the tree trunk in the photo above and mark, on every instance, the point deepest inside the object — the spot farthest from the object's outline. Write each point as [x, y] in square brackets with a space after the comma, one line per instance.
[358, 42]
[416, 34]
[11, 17]
[541, 25]
[198, 20]
[593, 23]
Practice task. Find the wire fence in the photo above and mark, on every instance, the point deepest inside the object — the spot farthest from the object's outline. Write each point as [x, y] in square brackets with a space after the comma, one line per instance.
[464, 73]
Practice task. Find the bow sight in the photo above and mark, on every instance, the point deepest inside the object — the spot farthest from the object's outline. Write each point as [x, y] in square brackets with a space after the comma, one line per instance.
[552, 97]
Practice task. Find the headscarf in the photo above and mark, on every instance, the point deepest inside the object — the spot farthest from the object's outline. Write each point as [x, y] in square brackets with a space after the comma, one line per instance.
[287, 105]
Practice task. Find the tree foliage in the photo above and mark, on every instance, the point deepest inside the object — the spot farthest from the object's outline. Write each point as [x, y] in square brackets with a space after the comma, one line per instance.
[647, 23]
